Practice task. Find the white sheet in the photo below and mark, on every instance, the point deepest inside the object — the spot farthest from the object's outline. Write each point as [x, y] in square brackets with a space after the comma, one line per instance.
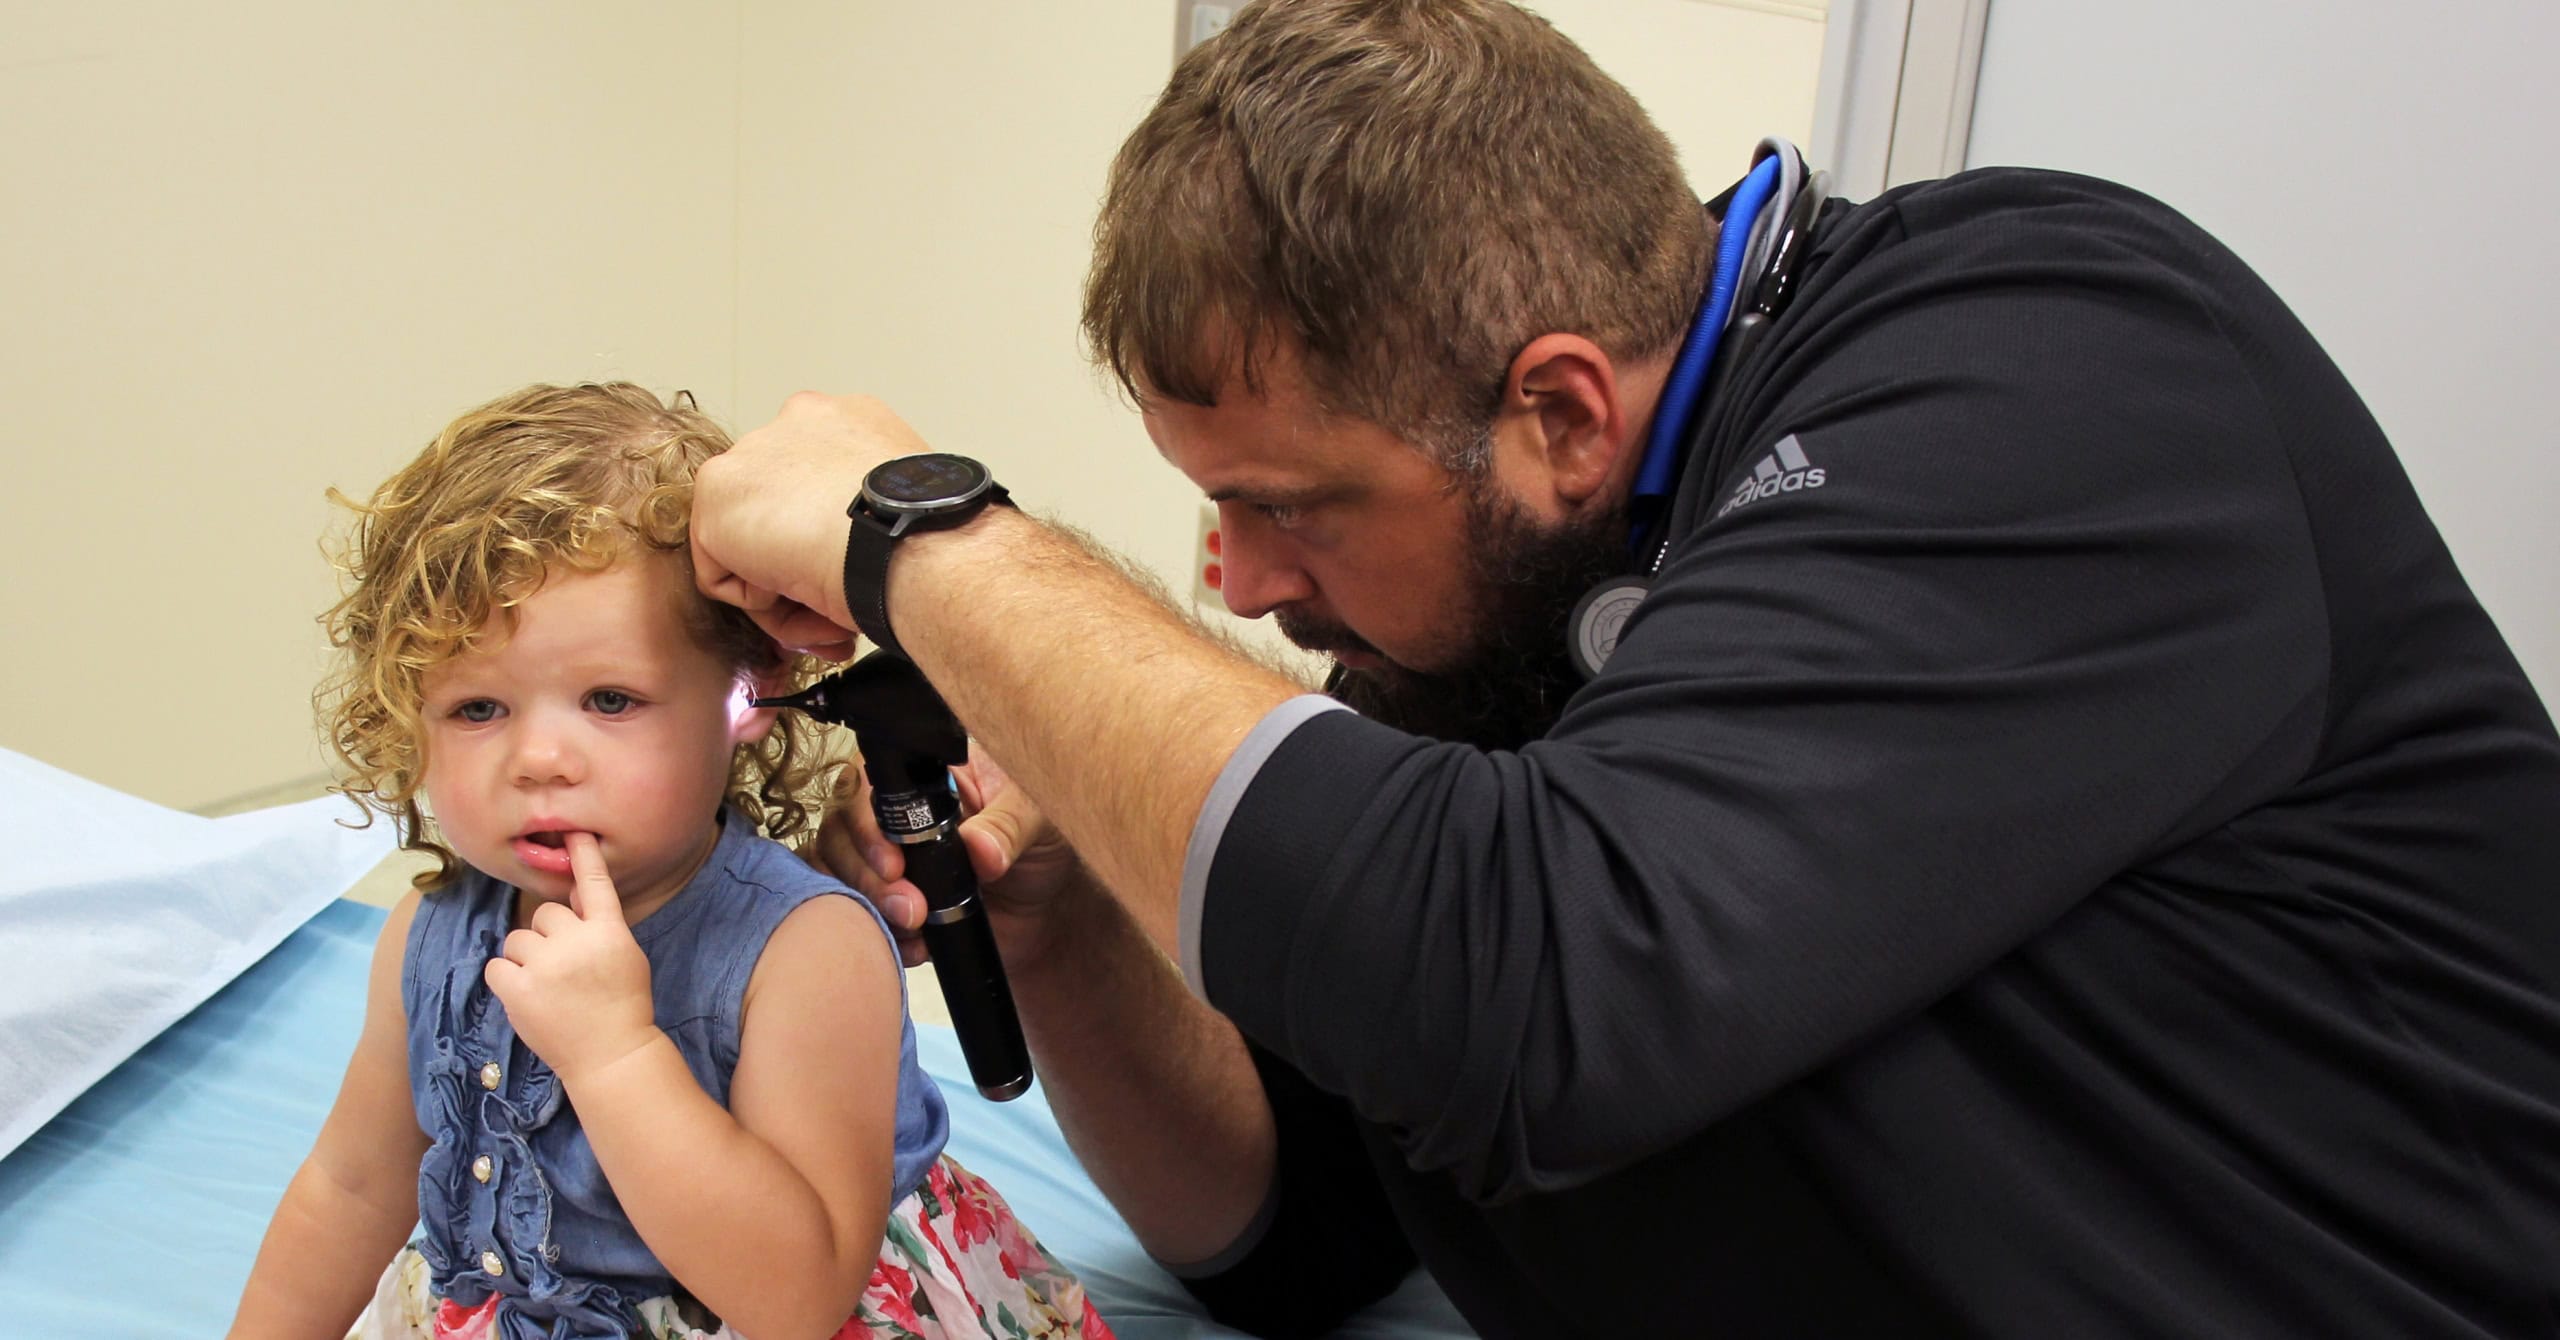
[118, 916]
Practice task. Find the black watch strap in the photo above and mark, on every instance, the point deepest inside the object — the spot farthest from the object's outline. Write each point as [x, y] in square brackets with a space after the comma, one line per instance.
[870, 540]
[866, 578]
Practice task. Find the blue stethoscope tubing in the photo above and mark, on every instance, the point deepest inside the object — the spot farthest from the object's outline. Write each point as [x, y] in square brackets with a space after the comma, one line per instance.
[1756, 240]
[1698, 351]
[1742, 247]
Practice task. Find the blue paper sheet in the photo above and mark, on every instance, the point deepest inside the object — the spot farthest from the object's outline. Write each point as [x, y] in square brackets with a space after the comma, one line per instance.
[137, 1211]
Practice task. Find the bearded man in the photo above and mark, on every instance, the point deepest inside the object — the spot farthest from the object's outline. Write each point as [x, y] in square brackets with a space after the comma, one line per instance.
[2056, 850]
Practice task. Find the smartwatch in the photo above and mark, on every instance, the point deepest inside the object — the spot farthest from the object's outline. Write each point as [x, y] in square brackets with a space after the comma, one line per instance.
[932, 491]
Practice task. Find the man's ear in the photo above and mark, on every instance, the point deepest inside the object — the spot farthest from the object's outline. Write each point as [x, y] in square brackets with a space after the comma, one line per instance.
[750, 724]
[1561, 397]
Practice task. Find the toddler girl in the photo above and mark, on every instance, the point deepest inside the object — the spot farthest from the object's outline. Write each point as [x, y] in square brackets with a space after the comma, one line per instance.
[630, 1066]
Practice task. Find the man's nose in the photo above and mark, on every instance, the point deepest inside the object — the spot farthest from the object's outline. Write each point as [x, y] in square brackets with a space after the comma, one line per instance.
[1259, 572]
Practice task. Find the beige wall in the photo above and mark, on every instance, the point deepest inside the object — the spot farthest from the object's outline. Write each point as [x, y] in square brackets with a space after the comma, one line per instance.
[1716, 77]
[258, 250]
[254, 250]
[917, 186]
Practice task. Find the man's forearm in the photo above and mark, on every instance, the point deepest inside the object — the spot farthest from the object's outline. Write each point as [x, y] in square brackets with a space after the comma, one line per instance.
[1154, 1090]
[1116, 714]
[1112, 710]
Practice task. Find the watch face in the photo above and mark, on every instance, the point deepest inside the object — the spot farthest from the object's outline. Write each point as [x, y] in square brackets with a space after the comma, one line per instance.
[935, 479]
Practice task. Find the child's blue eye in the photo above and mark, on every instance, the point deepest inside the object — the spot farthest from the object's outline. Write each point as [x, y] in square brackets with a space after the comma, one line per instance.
[478, 711]
[610, 702]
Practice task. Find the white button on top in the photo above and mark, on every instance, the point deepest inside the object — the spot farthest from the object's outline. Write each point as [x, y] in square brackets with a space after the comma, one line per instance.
[482, 1167]
[489, 1075]
[489, 1262]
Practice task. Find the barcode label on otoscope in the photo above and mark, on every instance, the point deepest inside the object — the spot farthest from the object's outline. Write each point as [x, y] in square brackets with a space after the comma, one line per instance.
[907, 815]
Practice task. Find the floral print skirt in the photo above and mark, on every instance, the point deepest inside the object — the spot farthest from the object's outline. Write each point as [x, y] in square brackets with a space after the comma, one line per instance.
[954, 1265]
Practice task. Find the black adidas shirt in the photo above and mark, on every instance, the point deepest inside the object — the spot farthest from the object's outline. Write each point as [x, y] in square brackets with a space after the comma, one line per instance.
[2084, 866]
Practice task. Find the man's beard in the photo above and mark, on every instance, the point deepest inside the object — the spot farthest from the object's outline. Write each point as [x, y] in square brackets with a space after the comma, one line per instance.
[1515, 675]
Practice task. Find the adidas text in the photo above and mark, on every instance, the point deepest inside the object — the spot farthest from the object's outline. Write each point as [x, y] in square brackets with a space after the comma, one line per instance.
[1783, 470]
[1753, 490]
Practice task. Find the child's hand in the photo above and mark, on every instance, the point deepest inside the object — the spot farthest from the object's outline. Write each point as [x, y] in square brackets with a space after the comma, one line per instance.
[575, 984]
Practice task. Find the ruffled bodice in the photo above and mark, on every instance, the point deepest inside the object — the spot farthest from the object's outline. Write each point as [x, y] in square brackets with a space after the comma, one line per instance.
[511, 1199]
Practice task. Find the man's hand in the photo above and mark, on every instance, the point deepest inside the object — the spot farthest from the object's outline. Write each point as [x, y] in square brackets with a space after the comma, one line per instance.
[575, 982]
[1023, 865]
[769, 515]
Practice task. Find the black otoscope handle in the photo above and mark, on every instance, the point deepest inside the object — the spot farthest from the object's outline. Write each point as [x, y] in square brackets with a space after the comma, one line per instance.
[910, 742]
[927, 827]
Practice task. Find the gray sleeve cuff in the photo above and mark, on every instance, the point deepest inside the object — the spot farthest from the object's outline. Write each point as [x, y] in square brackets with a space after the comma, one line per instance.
[1233, 1254]
[1211, 826]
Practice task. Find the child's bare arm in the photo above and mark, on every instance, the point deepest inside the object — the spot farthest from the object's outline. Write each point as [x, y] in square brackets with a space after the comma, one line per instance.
[356, 1196]
[771, 1211]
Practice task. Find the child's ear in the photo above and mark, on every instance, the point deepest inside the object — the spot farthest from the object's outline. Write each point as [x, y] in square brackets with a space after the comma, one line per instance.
[750, 724]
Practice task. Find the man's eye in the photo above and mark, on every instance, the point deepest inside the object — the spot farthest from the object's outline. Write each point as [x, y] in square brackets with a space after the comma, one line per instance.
[1283, 515]
[477, 711]
[609, 702]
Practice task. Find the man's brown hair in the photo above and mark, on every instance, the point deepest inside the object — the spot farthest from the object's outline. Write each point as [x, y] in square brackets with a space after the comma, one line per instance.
[1407, 192]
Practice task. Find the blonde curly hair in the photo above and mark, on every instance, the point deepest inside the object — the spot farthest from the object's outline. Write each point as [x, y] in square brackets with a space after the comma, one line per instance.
[550, 475]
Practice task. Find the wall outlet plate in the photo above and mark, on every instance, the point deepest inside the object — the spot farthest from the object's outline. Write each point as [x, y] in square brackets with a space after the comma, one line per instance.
[1205, 570]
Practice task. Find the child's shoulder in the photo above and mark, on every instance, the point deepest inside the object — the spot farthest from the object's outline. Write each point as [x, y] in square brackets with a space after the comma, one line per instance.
[761, 866]
[795, 892]
[391, 943]
[802, 925]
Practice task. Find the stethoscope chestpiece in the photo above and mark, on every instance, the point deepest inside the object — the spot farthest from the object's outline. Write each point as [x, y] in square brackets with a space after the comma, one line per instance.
[1591, 633]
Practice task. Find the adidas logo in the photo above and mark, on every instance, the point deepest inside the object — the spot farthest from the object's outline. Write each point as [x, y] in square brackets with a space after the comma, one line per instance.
[1783, 470]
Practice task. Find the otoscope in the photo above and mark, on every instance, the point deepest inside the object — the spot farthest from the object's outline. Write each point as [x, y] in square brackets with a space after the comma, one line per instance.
[910, 742]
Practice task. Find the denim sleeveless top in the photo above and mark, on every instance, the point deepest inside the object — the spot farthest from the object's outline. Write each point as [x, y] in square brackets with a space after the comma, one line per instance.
[511, 1200]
